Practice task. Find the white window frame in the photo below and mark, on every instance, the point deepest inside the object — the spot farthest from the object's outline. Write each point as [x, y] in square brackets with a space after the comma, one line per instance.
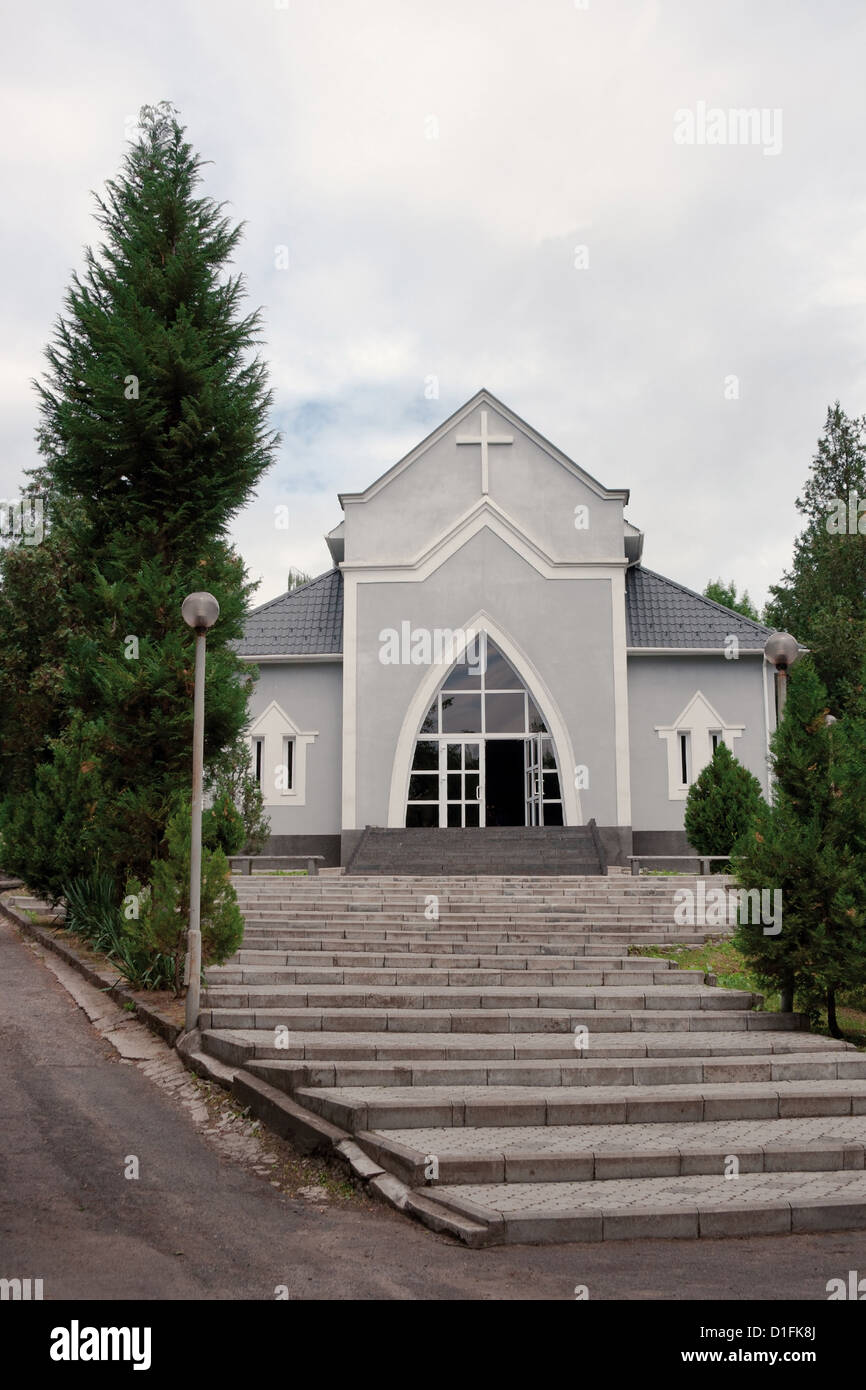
[699, 720]
[276, 730]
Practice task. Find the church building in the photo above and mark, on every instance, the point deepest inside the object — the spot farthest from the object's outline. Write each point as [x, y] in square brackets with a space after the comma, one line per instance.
[488, 651]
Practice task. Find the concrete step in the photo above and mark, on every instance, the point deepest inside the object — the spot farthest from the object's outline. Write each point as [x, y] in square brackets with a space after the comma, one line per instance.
[596, 1022]
[495, 850]
[625, 997]
[577, 1070]
[589, 946]
[259, 975]
[357, 1108]
[493, 906]
[773, 1203]
[388, 960]
[239, 1045]
[277, 936]
[597, 1153]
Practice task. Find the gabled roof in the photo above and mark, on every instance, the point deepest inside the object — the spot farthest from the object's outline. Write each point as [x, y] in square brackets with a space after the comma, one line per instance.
[482, 398]
[307, 621]
[662, 613]
[659, 614]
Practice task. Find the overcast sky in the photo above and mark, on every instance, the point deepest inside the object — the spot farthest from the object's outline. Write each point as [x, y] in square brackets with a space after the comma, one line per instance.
[432, 168]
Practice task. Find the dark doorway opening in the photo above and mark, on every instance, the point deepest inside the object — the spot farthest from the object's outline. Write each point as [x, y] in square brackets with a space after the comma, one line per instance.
[505, 797]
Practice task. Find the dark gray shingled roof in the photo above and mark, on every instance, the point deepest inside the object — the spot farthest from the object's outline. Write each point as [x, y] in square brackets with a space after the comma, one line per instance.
[304, 622]
[659, 613]
[662, 613]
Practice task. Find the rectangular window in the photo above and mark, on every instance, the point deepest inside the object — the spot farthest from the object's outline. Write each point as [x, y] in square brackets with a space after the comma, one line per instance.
[506, 713]
[424, 786]
[684, 758]
[715, 738]
[461, 714]
[290, 763]
[258, 758]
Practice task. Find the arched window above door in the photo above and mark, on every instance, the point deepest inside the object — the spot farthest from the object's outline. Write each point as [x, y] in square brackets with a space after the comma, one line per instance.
[483, 754]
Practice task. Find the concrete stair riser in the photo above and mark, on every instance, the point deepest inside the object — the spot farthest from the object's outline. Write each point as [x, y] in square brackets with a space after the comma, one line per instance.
[487, 1021]
[353, 1109]
[696, 1071]
[251, 1044]
[501, 1156]
[604, 998]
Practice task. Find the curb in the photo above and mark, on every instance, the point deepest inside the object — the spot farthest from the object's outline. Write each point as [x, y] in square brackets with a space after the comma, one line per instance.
[105, 980]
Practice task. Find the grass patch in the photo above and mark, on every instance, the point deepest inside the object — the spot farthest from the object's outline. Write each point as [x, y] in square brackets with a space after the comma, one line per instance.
[665, 873]
[722, 959]
[272, 873]
[851, 1021]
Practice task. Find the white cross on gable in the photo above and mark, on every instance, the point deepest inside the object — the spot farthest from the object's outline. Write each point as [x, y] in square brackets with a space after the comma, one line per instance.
[484, 439]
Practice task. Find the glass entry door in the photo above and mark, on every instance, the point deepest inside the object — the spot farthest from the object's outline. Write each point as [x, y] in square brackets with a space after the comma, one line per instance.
[482, 732]
[532, 780]
[461, 783]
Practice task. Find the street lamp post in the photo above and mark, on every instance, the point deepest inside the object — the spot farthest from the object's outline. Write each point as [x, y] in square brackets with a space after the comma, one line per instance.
[781, 650]
[200, 611]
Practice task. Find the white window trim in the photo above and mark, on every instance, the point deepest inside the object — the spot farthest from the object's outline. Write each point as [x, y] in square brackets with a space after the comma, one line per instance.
[275, 728]
[699, 720]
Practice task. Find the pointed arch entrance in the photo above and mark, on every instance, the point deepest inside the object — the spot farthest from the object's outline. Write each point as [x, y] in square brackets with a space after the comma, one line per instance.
[484, 754]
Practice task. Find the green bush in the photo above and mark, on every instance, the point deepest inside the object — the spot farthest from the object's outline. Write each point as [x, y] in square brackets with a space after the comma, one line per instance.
[721, 805]
[163, 905]
[93, 913]
[223, 827]
[231, 776]
[92, 909]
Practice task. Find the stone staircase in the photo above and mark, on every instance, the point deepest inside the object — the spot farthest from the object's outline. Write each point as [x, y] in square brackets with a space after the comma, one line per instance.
[504, 1069]
[499, 850]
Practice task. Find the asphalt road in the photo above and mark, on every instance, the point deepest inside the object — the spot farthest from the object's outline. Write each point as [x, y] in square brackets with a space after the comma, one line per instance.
[197, 1225]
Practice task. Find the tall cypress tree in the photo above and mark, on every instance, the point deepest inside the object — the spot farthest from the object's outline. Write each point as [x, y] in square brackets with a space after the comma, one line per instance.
[798, 845]
[843, 941]
[154, 433]
[822, 600]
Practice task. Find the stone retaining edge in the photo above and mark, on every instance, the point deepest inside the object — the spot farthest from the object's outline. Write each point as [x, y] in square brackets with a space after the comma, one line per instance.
[105, 980]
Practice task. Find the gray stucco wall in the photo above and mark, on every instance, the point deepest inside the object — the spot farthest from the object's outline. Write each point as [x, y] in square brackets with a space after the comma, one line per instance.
[659, 689]
[311, 694]
[563, 627]
[420, 503]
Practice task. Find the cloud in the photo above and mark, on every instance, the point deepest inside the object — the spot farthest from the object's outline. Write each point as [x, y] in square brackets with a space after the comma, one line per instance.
[430, 171]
